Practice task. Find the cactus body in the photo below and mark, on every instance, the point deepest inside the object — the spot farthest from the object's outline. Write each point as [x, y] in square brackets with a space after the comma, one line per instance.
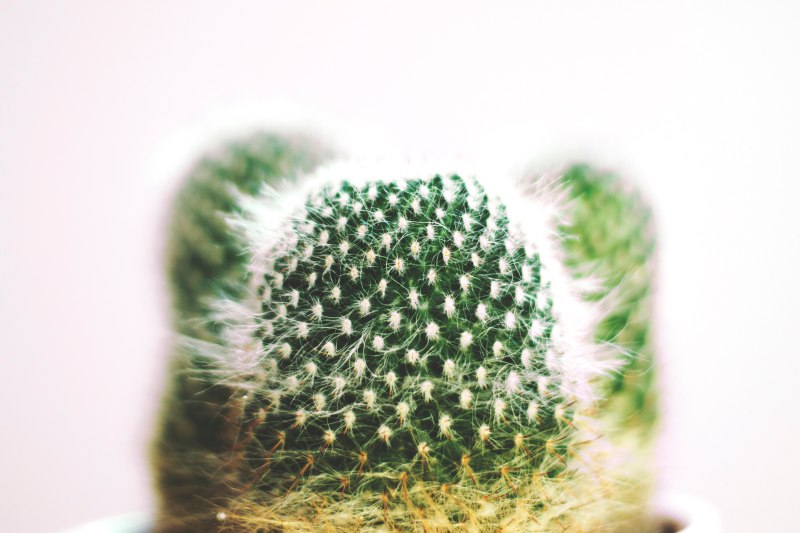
[609, 236]
[405, 353]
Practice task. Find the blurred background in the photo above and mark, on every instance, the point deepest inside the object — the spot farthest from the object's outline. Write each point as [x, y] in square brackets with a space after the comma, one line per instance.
[101, 102]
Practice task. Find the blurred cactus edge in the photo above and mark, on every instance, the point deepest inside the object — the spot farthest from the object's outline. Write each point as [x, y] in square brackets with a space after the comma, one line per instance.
[388, 348]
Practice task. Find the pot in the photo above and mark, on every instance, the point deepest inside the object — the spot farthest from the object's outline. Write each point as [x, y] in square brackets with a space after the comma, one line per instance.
[674, 512]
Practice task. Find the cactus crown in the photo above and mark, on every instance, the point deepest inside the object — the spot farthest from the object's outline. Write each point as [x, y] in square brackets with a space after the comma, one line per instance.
[404, 324]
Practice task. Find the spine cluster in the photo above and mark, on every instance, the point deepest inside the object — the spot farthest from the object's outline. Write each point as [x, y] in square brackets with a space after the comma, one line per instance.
[407, 329]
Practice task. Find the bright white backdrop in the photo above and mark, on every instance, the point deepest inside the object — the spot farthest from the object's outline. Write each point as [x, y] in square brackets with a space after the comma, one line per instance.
[698, 103]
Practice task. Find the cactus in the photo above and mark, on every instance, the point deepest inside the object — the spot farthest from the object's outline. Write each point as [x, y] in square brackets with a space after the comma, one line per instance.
[204, 262]
[408, 351]
[610, 237]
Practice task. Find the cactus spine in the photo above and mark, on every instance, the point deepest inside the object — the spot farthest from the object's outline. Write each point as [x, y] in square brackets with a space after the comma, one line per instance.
[404, 353]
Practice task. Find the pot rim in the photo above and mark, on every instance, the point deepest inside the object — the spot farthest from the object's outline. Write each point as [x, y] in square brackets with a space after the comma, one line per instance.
[687, 512]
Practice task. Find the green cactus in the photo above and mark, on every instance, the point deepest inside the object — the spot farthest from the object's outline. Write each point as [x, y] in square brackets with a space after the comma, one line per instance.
[610, 236]
[206, 265]
[407, 353]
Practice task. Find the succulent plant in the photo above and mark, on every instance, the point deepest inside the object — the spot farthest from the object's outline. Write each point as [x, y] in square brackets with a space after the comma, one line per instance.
[392, 349]
[203, 260]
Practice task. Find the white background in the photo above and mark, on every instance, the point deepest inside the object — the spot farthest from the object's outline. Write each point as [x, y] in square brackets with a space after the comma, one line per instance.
[697, 102]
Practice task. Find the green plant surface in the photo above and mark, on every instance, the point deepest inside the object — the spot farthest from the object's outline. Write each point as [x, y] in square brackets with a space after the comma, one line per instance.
[203, 262]
[610, 237]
